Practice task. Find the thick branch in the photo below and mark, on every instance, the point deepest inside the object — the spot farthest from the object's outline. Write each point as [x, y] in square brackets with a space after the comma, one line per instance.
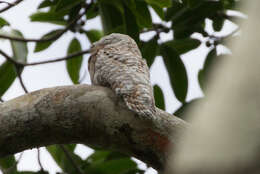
[91, 115]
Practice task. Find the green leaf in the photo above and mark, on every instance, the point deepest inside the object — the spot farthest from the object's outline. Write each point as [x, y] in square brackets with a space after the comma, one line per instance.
[40, 46]
[73, 65]
[110, 162]
[20, 50]
[93, 11]
[218, 23]
[74, 12]
[176, 70]
[196, 15]
[184, 45]
[160, 3]
[229, 4]
[186, 21]
[7, 76]
[131, 25]
[62, 160]
[159, 99]
[30, 172]
[118, 166]
[159, 11]
[7, 162]
[8, 71]
[50, 17]
[149, 50]
[45, 3]
[142, 14]
[204, 73]
[111, 13]
[114, 166]
[98, 156]
[3, 22]
[94, 35]
[113, 155]
[193, 3]
[67, 4]
[177, 8]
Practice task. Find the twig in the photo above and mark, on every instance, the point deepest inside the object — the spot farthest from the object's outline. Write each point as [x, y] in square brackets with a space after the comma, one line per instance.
[22, 83]
[70, 56]
[20, 157]
[19, 72]
[10, 5]
[67, 154]
[158, 28]
[73, 22]
[39, 159]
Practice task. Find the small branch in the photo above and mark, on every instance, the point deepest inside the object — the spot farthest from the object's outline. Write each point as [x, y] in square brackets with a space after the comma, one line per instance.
[70, 56]
[22, 83]
[158, 28]
[73, 22]
[69, 157]
[39, 159]
[10, 5]
[19, 75]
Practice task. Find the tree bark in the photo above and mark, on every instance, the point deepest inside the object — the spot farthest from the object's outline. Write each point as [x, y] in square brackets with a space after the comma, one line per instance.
[90, 115]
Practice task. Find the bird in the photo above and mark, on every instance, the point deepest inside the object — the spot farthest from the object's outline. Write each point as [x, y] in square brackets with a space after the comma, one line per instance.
[116, 62]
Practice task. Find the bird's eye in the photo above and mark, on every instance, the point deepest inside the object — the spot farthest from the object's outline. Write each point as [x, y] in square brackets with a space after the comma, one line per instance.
[106, 40]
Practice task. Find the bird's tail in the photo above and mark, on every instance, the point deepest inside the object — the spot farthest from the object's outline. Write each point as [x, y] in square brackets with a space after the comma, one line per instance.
[143, 108]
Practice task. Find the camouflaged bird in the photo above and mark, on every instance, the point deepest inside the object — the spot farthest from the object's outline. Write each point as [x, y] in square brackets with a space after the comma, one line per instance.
[117, 63]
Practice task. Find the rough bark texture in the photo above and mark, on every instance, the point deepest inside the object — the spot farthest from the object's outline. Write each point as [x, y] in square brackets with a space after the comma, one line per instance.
[224, 138]
[91, 115]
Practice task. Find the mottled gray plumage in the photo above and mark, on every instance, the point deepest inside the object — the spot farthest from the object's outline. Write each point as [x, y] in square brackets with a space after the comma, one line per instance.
[116, 62]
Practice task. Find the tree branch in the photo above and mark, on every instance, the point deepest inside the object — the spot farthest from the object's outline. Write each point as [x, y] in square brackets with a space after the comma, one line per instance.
[10, 5]
[50, 38]
[91, 115]
[18, 70]
[70, 56]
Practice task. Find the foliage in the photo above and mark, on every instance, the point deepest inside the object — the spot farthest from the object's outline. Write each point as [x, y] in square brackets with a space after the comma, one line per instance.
[132, 17]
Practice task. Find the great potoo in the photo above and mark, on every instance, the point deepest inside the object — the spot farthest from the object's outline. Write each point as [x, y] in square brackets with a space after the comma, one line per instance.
[117, 63]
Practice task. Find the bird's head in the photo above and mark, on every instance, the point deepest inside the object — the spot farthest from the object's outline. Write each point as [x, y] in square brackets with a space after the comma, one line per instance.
[114, 38]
